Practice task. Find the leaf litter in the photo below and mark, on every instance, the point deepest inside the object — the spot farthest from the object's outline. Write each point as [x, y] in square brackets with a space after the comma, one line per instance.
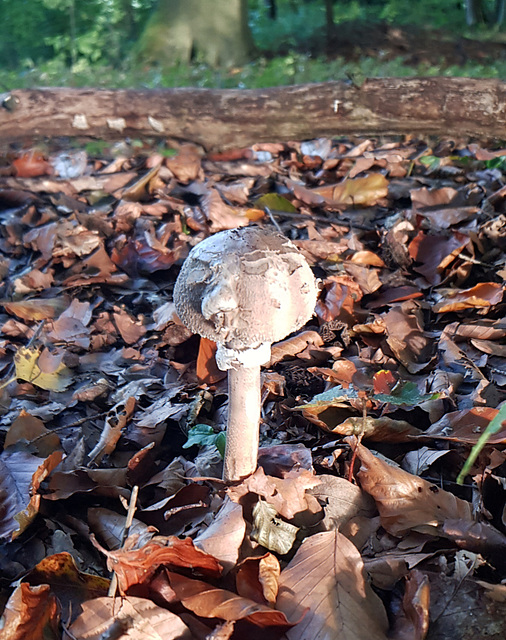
[364, 519]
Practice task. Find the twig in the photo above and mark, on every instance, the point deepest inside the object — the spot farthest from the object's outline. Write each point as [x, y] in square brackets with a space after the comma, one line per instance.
[359, 439]
[317, 218]
[273, 220]
[128, 523]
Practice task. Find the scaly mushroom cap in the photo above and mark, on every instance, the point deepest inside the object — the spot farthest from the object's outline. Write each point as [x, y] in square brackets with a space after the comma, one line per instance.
[245, 289]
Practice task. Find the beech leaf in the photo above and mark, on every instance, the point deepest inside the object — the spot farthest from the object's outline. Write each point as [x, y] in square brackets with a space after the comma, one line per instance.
[326, 579]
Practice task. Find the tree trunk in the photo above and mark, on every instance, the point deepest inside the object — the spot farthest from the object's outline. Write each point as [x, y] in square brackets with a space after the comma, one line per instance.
[220, 119]
[215, 32]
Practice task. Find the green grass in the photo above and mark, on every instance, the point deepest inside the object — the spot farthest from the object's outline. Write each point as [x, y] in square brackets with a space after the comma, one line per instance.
[294, 68]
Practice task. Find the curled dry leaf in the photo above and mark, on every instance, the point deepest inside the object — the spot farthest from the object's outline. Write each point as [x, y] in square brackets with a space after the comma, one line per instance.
[258, 579]
[212, 602]
[294, 346]
[407, 502]
[114, 425]
[31, 614]
[20, 477]
[483, 295]
[326, 579]
[413, 621]
[137, 566]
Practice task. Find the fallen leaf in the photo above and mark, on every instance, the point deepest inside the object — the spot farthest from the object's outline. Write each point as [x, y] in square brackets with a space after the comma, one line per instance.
[31, 613]
[36, 309]
[101, 618]
[258, 579]
[327, 581]
[407, 502]
[483, 295]
[71, 586]
[356, 191]
[20, 477]
[224, 536]
[42, 368]
[212, 602]
[137, 566]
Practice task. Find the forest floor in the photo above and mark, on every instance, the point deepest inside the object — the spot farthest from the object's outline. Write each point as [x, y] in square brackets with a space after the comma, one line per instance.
[414, 44]
[354, 519]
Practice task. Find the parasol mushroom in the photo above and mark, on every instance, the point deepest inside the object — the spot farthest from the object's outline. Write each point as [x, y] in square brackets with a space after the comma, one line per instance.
[245, 289]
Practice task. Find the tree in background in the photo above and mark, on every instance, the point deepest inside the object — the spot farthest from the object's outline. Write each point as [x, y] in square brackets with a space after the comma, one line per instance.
[214, 32]
[485, 13]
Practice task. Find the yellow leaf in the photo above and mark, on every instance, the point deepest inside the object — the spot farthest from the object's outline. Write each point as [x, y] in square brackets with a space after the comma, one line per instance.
[356, 191]
[53, 375]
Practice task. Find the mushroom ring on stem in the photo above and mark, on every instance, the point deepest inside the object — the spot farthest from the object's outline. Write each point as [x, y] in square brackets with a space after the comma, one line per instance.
[245, 289]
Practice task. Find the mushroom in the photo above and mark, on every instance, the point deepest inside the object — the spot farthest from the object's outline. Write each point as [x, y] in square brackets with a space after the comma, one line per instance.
[245, 289]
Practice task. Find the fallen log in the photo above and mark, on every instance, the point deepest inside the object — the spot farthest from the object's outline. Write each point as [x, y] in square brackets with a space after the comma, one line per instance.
[220, 119]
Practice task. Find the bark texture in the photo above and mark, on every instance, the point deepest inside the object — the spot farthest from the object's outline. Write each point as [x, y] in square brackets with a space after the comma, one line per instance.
[180, 30]
[220, 119]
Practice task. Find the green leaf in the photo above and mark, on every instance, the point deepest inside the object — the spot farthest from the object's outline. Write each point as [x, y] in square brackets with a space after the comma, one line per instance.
[275, 202]
[202, 435]
[494, 426]
[496, 163]
[333, 397]
[431, 162]
[405, 393]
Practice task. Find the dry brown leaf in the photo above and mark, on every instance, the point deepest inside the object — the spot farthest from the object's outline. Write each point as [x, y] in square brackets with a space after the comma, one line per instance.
[131, 329]
[207, 369]
[36, 309]
[119, 416]
[340, 294]
[186, 165]
[31, 614]
[134, 618]
[435, 253]
[212, 602]
[224, 536]
[294, 346]
[406, 336]
[32, 429]
[137, 566]
[221, 215]
[367, 258]
[342, 501]
[483, 295]
[258, 579]
[287, 495]
[412, 623]
[407, 502]
[467, 426]
[327, 577]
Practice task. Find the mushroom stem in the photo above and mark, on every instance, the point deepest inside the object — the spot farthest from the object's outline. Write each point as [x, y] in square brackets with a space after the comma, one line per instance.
[241, 452]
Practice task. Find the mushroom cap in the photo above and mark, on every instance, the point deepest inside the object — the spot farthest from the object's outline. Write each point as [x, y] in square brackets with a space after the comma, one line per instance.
[245, 289]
